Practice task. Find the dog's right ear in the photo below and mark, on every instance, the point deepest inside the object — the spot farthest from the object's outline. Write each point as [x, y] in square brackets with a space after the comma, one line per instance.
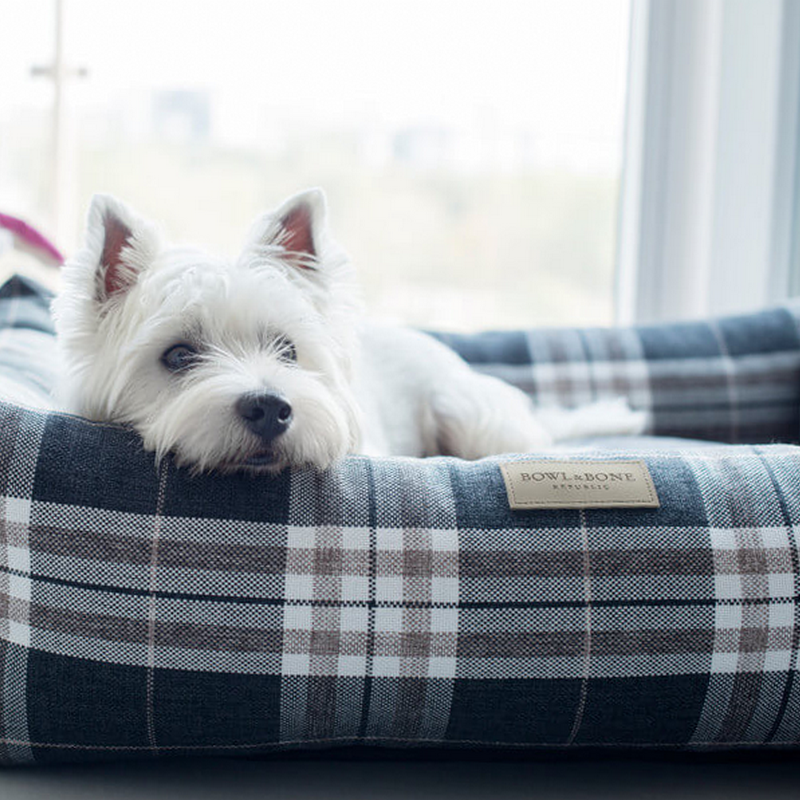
[121, 245]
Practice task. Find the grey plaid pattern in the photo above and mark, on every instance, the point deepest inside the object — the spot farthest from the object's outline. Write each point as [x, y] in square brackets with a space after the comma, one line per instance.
[18, 450]
[371, 593]
[572, 368]
[401, 602]
[735, 379]
[386, 615]
[755, 564]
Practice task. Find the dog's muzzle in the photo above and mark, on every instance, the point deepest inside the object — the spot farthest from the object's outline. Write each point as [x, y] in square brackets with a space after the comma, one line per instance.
[266, 415]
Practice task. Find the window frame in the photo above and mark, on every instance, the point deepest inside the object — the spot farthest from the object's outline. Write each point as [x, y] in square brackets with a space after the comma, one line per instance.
[708, 195]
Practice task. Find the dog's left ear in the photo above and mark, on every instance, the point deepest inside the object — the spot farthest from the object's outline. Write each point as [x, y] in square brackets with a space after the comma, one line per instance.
[297, 228]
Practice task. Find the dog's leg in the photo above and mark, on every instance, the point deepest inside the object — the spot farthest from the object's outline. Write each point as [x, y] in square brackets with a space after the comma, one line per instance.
[603, 418]
[476, 415]
[418, 383]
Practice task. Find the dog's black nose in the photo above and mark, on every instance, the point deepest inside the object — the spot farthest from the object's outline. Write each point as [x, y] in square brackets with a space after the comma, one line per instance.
[266, 415]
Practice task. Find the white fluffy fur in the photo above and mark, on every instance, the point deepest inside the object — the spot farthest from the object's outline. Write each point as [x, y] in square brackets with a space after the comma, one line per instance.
[355, 387]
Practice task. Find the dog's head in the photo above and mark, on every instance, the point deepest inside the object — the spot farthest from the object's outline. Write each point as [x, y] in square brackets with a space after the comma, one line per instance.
[228, 365]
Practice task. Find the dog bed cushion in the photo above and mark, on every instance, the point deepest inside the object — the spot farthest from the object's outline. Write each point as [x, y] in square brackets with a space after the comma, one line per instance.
[401, 602]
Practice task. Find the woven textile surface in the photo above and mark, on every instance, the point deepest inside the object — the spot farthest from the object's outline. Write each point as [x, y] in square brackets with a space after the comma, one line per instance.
[391, 601]
[734, 379]
[27, 352]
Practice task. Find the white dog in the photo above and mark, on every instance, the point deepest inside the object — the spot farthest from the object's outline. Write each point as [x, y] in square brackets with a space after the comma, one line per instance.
[266, 362]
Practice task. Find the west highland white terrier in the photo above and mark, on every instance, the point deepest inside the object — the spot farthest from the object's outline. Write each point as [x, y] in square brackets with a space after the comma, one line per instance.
[267, 362]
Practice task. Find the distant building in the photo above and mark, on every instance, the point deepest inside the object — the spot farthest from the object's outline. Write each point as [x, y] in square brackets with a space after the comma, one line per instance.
[181, 116]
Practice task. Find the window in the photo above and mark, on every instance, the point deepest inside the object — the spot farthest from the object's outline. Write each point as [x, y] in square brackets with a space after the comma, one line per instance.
[471, 150]
[709, 199]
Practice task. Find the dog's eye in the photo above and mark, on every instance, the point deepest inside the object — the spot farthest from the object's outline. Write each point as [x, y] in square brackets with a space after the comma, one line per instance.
[179, 357]
[285, 349]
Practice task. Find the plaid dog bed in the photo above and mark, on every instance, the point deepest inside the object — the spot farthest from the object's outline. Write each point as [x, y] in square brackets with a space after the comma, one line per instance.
[400, 602]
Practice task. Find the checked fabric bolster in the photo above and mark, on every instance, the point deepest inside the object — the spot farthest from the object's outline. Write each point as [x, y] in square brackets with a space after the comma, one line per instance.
[389, 601]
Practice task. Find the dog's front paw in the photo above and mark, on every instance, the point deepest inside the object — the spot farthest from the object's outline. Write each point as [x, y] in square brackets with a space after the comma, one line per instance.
[612, 417]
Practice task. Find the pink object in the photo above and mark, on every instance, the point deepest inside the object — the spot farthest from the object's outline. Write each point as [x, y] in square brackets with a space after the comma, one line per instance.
[28, 238]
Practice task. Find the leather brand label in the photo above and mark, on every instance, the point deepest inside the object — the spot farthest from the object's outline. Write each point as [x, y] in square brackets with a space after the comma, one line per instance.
[579, 484]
